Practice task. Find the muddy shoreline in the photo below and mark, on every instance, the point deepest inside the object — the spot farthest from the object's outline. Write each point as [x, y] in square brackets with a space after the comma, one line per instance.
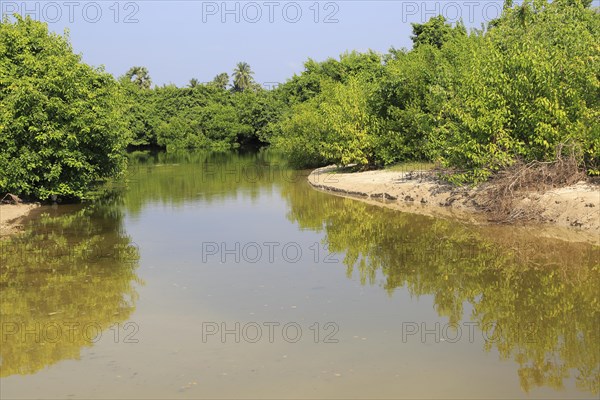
[571, 213]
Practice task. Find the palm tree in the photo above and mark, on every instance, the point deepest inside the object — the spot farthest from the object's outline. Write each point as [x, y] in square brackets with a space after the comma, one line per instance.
[193, 83]
[221, 80]
[139, 76]
[242, 77]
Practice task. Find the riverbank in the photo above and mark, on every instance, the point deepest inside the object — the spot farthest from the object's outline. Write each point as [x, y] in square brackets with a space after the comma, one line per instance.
[575, 208]
[11, 216]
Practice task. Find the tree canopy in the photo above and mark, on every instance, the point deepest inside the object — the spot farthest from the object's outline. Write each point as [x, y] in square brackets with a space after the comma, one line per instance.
[139, 76]
[242, 77]
[61, 121]
[524, 87]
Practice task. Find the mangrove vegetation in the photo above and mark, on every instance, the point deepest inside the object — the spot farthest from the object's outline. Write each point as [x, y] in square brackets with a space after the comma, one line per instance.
[524, 87]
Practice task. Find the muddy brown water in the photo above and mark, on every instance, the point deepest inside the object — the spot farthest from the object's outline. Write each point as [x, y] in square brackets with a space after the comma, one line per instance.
[224, 275]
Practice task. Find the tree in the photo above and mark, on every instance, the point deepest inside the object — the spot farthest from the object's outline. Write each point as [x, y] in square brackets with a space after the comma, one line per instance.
[221, 81]
[336, 126]
[527, 89]
[61, 121]
[139, 76]
[141, 113]
[255, 110]
[242, 77]
[193, 83]
[435, 32]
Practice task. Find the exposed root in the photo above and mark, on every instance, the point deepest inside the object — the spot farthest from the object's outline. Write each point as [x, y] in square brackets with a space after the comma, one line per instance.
[502, 194]
[11, 199]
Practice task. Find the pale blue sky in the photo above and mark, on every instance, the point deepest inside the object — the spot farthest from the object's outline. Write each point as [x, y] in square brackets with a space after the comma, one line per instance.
[179, 40]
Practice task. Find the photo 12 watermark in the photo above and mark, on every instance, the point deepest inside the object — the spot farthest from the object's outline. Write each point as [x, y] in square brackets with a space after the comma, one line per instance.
[408, 251]
[267, 252]
[490, 332]
[68, 331]
[453, 11]
[92, 12]
[253, 12]
[269, 332]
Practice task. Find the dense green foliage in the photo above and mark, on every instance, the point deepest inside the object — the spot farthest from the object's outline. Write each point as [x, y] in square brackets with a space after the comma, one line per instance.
[200, 115]
[531, 85]
[527, 87]
[436, 32]
[60, 120]
[139, 76]
[65, 126]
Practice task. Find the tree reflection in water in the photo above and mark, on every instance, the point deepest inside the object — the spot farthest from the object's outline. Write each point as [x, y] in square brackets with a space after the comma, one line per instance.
[540, 295]
[67, 278]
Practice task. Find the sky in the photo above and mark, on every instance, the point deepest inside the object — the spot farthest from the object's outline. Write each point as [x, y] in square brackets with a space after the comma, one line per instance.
[180, 40]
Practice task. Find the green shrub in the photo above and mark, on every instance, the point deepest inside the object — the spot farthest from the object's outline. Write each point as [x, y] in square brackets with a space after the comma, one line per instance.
[61, 122]
[335, 127]
[526, 87]
[531, 88]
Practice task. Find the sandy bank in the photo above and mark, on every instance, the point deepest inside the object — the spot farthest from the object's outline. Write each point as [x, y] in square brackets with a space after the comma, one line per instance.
[11, 216]
[574, 209]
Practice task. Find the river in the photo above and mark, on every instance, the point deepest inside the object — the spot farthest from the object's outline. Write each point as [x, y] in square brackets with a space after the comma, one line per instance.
[225, 275]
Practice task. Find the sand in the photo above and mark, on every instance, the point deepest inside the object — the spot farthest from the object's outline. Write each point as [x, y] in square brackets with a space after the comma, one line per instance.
[11, 216]
[574, 210]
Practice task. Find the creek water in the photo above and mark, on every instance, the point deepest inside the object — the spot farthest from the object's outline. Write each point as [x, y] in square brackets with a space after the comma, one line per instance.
[225, 275]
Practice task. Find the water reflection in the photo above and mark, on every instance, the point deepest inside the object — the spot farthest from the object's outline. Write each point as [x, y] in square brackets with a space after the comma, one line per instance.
[177, 178]
[538, 298]
[65, 280]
